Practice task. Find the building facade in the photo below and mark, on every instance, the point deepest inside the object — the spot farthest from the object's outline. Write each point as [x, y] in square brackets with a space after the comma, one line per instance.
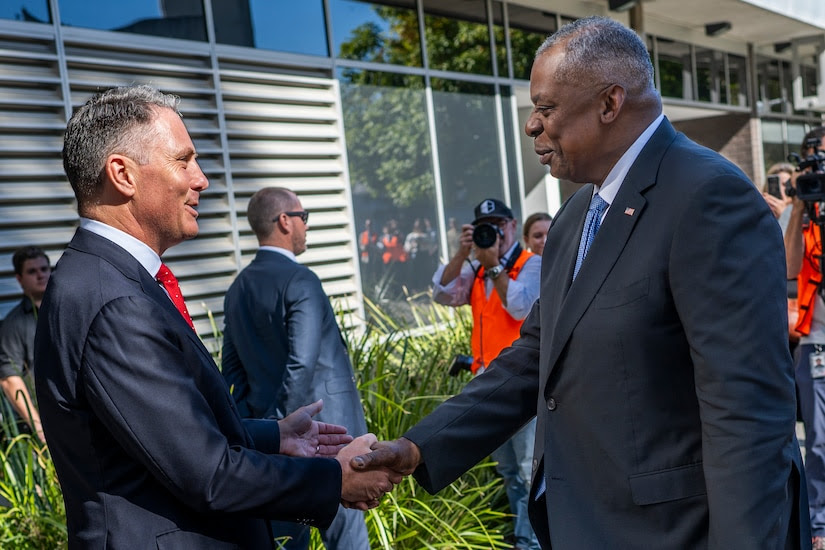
[405, 113]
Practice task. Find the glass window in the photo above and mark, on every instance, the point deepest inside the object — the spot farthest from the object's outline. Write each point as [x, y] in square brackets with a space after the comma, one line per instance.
[391, 175]
[528, 30]
[796, 134]
[674, 69]
[737, 75]
[282, 25]
[510, 146]
[382, 32]
[174, 19]
[773, 146]
[499, 39]
[770, 85]
[468, 146]
[458, 38]
[35, 11]
[710, 76]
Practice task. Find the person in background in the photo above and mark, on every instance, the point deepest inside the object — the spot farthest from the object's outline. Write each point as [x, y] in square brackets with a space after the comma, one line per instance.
[32, 270]
[803, 253]
[535, 231]
[282, 346]
[500, 285]
[779, 205]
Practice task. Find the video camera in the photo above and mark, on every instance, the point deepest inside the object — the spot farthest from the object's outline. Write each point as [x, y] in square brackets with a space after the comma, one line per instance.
[810, 186]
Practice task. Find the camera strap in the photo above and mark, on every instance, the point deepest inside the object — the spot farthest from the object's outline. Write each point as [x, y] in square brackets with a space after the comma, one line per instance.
[511, 261]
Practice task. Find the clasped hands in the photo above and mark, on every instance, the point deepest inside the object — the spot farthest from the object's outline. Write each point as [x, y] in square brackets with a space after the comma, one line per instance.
[369, 468]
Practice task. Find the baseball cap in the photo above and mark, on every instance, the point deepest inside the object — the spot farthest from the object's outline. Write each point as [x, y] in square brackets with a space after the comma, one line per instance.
[491, 208]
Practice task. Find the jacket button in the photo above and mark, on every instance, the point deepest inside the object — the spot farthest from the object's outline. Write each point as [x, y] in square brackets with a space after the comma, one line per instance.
[535, 464]
[551, 404]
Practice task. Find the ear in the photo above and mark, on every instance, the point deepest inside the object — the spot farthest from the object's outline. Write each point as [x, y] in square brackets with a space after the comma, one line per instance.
[120, 172]
[283, 224]
[612, 100]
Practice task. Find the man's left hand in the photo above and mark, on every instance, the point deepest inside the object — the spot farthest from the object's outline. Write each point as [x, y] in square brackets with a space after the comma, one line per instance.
[303, 436]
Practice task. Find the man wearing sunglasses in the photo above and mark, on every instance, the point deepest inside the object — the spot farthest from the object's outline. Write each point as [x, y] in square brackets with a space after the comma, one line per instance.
[283, 347]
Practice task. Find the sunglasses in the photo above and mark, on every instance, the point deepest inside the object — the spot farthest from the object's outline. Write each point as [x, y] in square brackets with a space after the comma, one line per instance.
[303, 214]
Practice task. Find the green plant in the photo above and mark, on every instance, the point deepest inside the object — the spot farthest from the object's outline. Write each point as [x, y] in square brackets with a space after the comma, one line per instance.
[403, 376]
[32, 514]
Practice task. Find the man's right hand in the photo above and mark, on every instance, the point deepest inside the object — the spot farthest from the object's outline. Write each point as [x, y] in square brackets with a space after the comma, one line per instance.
[362, 488]
[401, 456]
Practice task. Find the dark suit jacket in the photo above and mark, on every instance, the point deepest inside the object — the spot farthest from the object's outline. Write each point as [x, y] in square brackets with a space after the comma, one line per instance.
[282, 347]
[148, 445]
[661, 375]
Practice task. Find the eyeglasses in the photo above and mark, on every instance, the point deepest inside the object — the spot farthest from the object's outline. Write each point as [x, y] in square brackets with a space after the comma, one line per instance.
[303, 214]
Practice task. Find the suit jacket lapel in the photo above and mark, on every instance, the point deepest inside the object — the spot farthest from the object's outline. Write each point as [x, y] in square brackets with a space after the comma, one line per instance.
[616, 229]
[131, 269]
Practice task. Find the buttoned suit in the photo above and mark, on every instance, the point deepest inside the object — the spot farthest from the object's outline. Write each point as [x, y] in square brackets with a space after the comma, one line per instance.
[146, 440]
[661, 376]
[283, 349]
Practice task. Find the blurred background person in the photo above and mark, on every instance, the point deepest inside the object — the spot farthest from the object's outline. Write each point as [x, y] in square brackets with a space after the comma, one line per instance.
[535, 231]
[803, 253]
[500, 285]
[32, 270]
[779, 176]
[282, 346]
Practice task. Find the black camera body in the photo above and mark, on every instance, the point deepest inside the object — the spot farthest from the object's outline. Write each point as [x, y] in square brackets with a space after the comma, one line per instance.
[486, 234]
[810, 186]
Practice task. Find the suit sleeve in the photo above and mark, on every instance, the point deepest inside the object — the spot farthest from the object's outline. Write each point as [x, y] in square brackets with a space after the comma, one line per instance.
[305, 303]
[164, 403]
[727, 274]
[488, 411]
[235, 375]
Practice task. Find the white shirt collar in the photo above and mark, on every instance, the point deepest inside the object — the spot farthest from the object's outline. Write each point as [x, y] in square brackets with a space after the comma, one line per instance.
[288, 253]
[140, 250]
[613, 182]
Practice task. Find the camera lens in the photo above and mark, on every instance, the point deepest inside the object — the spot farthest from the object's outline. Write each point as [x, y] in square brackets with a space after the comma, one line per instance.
[485, 234]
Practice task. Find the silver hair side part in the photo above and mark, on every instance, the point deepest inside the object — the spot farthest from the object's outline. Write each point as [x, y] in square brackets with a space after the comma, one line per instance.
[114, 121]
[602, 50]
[264, 205]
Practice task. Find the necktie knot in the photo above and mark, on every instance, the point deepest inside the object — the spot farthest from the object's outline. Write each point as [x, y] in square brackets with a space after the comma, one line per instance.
[591, 225]
[166, 278]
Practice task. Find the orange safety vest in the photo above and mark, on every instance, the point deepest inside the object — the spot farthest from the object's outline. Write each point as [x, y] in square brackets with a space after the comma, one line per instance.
[493, 327]
[809, 278]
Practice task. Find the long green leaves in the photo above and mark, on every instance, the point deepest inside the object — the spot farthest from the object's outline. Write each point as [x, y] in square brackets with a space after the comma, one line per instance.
[32, 514]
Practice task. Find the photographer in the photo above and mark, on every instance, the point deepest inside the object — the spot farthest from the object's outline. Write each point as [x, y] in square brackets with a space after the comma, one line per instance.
[803, 250]
[500, 285]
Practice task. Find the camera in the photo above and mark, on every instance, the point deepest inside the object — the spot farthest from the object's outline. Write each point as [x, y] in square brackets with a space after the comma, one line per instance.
[810, 186]
[773, 186]
[461, 362]
[485, 235]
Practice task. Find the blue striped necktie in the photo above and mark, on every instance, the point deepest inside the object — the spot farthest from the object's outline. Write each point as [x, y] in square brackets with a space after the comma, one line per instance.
[591, 225]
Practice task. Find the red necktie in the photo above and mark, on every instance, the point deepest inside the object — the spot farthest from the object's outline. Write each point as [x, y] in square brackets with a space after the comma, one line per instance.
[170, 283]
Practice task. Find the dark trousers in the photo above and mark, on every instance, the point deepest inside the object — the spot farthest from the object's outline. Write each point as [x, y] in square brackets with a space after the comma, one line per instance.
[812, 407]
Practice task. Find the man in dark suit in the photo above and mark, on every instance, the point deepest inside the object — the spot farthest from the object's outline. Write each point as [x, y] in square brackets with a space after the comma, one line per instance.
[656, 357]
[146, 440]
[282, 346]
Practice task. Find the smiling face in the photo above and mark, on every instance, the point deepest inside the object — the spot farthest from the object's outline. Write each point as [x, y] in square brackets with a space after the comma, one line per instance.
[566, 123]
[168, 184]
[537, 236]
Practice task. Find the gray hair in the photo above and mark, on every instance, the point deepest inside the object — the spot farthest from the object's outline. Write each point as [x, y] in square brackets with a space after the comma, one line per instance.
[264, 205]
[604, 51]
[114, 121]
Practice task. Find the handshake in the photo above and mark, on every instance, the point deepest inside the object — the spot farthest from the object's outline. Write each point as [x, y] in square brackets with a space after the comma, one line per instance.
[370, 468]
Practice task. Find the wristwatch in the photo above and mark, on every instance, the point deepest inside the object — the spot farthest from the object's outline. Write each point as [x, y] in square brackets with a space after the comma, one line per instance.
[493, 272]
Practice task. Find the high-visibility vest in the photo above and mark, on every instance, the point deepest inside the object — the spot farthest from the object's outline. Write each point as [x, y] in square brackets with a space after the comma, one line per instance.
[493, 327]
[809, 278]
